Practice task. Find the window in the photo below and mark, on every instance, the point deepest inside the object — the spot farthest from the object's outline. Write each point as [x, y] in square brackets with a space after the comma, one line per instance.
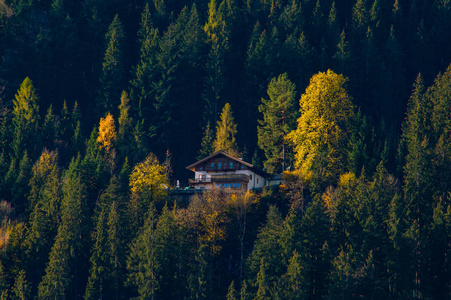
[257, 180]
[212, 164]
[200, 168]
[237, 185]
[218, 185]
[231, 164]
[227, 185]
[251, 177]
[219, 165]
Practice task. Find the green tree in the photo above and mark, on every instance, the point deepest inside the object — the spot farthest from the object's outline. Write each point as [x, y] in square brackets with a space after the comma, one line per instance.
[323, 127]
[267, 247]
[25, 120]
[49, 129]
[142, 265]
[231, 292]
[67, 254]
[44, 207]
[98, 280]
[225, 133]
[111, 78]
[206, 147]
[125, 138]
[279, 119]
[294, 281]
[21, 289]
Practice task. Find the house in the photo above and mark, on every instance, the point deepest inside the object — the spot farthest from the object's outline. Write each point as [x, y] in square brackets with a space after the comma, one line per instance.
[222, 170]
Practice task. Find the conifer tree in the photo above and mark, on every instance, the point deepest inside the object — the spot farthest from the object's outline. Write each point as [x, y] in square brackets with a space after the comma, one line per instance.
[25, 120]
[124, 132]
[294, 280]
[262, 284]
[142, 265]
[49, 129]
[225, 132]
[44, 207]
[268, 247]
[20, 188]
[231, 292]
[111, 78]
[99, 281]
[21, 289]
[279, 119]
[145, 70]
[206, 147]
[67, 254]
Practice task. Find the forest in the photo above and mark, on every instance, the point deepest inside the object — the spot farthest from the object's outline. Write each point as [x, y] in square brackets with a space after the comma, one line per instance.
[103, 104]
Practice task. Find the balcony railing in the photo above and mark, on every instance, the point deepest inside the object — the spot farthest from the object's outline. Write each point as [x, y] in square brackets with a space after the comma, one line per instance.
[220, 178]
[199, 180]
[230, 177]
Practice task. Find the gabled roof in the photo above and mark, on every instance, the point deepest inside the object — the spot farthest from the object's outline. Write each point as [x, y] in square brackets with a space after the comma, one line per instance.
[193, 166]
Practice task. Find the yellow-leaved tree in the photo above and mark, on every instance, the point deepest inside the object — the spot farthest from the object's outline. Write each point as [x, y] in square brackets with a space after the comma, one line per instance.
[107, 132]
[148, 183]
[320, 139]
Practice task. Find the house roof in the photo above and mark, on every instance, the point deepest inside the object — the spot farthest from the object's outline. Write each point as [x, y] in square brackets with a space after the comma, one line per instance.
[192, 167]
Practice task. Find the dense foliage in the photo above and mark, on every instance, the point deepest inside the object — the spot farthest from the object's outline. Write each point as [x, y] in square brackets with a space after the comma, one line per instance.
[104, 103]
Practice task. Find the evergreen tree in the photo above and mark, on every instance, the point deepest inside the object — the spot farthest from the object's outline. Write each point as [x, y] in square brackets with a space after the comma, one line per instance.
[279, 119]
[294, 281]
[142, 264]
[225, 133]
[231, 292]
[206, 147]
[25, 120]
[111, 78]
[44, 207]
[21, 290]
[49, 129]
[342, 54]
[124, 132]
[267, 247]
[99, 281]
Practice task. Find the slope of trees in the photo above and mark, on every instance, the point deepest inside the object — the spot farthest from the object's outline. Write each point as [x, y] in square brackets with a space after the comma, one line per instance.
[119, 97]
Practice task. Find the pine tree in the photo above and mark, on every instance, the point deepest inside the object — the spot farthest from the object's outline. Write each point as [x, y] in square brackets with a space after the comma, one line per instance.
[145, 71]
[21, 289]
[268, 247]
[49, 129]
[231, 292]
[225, 133]
[44, 207]
[124, 132]
[98, 281]
[111, 78]
[20, 188]
[25, 120]
[206, 147]
[342, 54]
[142, 265]
[294, 279]
[262, 284]
[67, 255]
[279, 119]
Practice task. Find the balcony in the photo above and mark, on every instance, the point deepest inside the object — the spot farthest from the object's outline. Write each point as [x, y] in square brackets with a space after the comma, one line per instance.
[230, 177]
[221, 178]
[199, 180]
